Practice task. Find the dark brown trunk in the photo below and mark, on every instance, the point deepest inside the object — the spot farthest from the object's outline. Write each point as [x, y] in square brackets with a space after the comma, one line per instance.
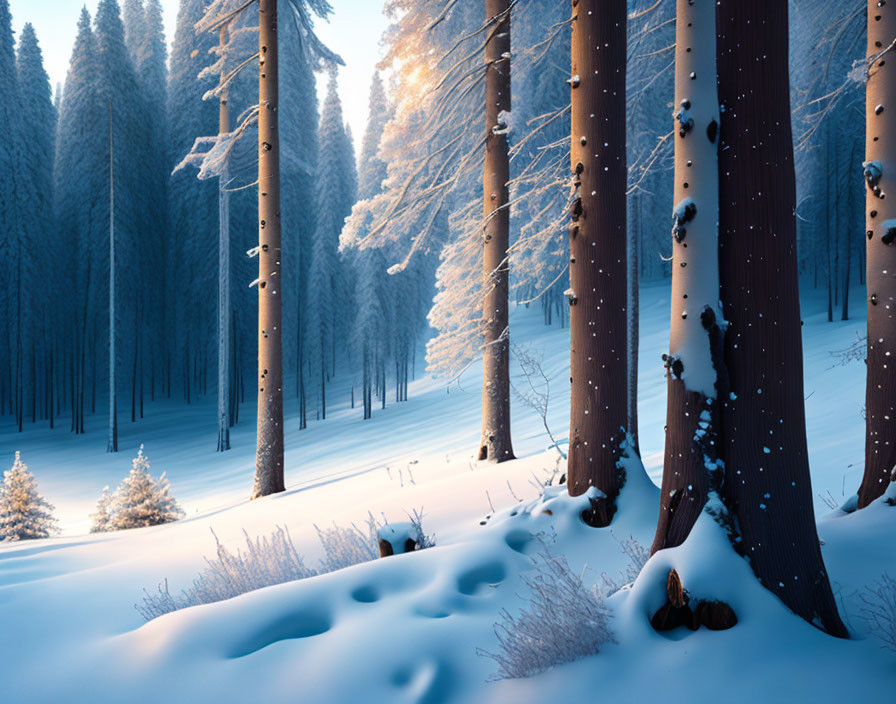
[880, 385]
[598, 260]
[495, 444]
[767, 483]
[269, 441]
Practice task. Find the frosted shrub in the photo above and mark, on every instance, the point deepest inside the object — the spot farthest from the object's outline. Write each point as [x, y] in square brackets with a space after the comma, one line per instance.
[561, 621]
[139, 501]
[24, 513]
[637, 555]
[878, 610]
[344, 547]
[266, 561]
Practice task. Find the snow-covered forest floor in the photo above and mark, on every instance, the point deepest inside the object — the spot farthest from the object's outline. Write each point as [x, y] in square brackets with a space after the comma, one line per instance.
[407, 628]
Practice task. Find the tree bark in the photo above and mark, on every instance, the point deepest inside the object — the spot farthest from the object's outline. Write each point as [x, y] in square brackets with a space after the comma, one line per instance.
[495, 444]
[880, 259]
[223, 276]
[694, 365]
[598, 319]
[269, 441]
[767, 485]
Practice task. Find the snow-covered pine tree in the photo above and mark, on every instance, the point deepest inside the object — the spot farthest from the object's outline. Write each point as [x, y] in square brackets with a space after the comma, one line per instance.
[40, 319]
[134, 19]
[372, 169]
[101, 519]
[11, 254]
[298, 165]
[146, 43]
[140, 500]
[81, 163]
[192, 204]
[127, 207]
[24, 513]
[371, 292]
[328, 300]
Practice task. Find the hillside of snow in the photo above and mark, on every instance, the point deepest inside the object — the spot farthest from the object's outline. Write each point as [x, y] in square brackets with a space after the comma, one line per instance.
[408, 628]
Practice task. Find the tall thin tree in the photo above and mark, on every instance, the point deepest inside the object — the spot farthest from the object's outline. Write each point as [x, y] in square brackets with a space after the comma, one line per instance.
[112, 444]
[880, 225]
[597, 263]
[269, 442]
[495, 444]
[224, 312]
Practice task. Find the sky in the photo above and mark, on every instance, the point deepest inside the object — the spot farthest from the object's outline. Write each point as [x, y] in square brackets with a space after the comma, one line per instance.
[353, 31]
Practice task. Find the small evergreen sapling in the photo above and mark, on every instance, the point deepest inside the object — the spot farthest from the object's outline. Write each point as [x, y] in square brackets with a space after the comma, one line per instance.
[139, 501]
[24, 513]
[101, 521]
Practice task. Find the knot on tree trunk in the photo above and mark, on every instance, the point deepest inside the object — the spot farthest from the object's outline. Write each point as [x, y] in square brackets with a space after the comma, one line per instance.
[715, 615]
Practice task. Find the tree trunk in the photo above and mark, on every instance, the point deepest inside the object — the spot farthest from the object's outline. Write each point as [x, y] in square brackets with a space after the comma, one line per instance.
[223, 277]
[633, 308]
[767, 484]
[880, 147]
[495, 444]
[112, 444]
[269, 441]
[598, 319]
[694, 365]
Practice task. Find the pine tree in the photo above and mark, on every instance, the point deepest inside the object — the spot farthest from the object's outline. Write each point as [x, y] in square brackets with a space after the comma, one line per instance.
[299, 167]
[81, 194]
[101, 519]
[141, 500]
[372, 170]
[39, 261]
[152, 307]
[11, 236]
[371, 324]
[134, 19]
[127, 211]
[328, 300]
[192, 203]
[24, 513]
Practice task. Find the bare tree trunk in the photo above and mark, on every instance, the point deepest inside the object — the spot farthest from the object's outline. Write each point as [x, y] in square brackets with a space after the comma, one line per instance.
[767, 484]
[880, 172]
[269, 442]
[495, 444]
[223, 276]
[633, 309]
[112, 445]
[598, 320]
[694, 365]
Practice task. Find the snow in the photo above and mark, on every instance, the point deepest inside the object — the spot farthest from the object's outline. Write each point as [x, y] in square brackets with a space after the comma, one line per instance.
[407, 627]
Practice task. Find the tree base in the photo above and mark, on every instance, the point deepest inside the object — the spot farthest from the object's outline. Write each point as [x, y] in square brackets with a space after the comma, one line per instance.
[600, 513]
